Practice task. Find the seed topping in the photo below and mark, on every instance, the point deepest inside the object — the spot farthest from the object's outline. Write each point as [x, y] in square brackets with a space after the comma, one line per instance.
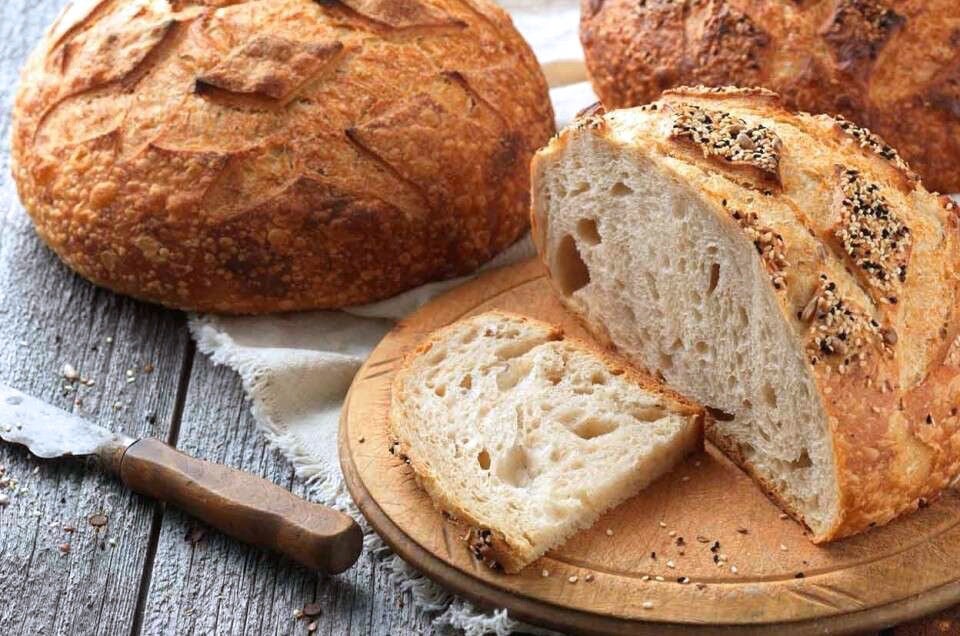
[722, 135]
[840, 333]
[769, 246]
[873, 235]
[874, 143]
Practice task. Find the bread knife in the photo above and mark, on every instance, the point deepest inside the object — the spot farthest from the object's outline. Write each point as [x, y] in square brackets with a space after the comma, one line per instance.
[239, 504]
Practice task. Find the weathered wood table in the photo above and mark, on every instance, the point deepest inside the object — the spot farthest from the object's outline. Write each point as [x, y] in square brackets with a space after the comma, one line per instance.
[148, 569]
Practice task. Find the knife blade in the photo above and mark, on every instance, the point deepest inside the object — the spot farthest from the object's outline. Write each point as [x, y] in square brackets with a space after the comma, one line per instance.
[242, 505]
[49, 432]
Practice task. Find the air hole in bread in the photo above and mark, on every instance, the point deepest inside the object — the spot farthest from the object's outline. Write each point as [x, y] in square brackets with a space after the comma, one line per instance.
[484, 459]
[620, 189]
[580, 188]
[648, 413]
[587, 230]
[682, 266]
[598, 378]
[469, 336]
[594, 427]
[516, 349]
[714, 278]
[666, 361]
[513, 374]
[652, 285]
[466, 382]
[802, 462]
[571, 272]
[770, 396]
[747, 404]
[742, 315]
[712, 250]
[512, 467]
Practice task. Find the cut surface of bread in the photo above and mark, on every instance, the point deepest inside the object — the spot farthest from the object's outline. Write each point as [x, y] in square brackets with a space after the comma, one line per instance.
[526, 437]
[792, 277]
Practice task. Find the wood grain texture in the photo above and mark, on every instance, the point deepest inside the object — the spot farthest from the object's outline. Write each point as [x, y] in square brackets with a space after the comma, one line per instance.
[704, 511]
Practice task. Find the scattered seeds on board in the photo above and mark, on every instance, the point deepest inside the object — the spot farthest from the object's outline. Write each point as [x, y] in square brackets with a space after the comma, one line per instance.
[69, 372]
[648, 605]
[574, 578]
[312, 610]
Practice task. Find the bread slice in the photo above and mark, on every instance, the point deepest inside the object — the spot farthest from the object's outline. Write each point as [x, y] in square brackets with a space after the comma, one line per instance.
[525, 436]
[786, 270]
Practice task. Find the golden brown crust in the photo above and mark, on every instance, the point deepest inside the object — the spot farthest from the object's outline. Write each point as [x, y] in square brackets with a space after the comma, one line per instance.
[489, 545]
[869, 266]
[890, 65]
[252, 157]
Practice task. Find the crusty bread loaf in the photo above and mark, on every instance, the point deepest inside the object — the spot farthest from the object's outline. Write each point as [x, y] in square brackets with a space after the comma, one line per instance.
[890, 65]
[525, 437]
[785, 270]
[252, 157]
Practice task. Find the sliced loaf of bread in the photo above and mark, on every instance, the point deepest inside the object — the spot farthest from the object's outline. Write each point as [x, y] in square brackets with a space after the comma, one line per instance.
[788, 271]
[525, 436]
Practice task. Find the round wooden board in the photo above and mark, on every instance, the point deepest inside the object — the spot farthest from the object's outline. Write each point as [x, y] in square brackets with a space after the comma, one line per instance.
[902, 571]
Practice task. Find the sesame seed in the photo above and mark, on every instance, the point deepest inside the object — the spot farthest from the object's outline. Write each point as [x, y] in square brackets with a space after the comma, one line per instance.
[663, 525]
[733, 569]
[683, 580]
[783, 547]
[672, 533]
[588, 578]
[671, 565]
[648, 605]
[545, 573]
[609, 532]
[573, 579]
[660, 578]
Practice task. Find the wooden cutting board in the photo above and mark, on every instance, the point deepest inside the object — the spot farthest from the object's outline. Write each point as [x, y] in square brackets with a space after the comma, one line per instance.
[705, 510]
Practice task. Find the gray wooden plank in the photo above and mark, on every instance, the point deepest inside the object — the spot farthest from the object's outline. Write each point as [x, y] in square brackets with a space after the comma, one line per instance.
[218, 586]
[49, 317]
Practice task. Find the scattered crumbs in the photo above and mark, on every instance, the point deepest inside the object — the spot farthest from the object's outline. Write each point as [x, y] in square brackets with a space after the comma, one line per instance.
[98, 520]
[743, 531]
[671, 565]
[297, 614]
[148, 367]
[312, 627]
[64, 548]
[362, 439]
[112, 541]
[733, 569]
[69, 372]
[588, 578]
[545, 573]
[69, 529]
[312, 610]
[609, 532]
[659, 578]
[648, 605]
[798, 575]
[573, 579]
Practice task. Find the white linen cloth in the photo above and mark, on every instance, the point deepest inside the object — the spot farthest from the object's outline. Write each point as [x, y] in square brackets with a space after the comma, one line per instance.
[296, 368]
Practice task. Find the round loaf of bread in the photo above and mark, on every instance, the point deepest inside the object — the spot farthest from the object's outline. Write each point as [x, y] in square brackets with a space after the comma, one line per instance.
[253, 157]
[890, 65]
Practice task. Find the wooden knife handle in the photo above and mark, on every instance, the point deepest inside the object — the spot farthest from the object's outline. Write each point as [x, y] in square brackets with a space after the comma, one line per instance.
[244, 506]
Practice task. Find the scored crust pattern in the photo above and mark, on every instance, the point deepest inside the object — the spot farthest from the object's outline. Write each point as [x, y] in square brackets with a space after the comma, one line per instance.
[258, 156]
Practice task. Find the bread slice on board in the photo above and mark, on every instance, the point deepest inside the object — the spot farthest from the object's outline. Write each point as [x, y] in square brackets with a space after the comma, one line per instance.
[525, 436]
[788, 271]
